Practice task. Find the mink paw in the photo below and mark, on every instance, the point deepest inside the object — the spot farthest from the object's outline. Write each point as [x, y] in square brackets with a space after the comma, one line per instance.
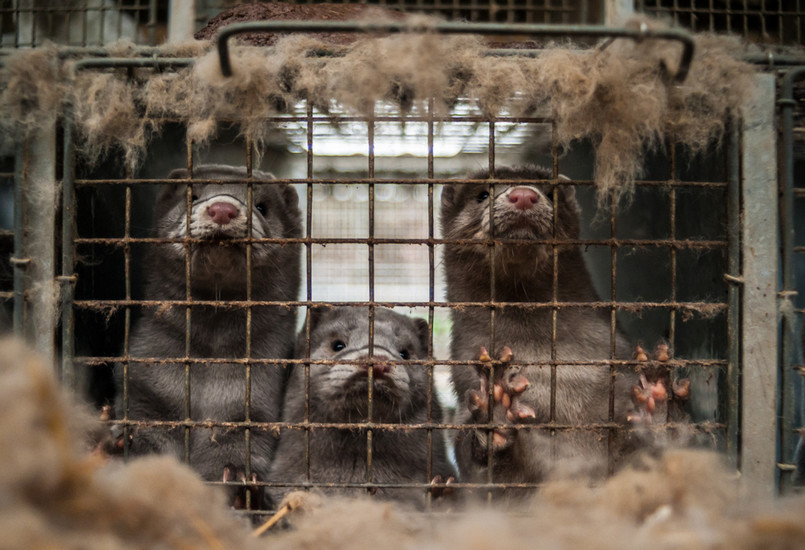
[108, 441]
[507, 385]
[245, 493]
[652, 395]
[441, 488]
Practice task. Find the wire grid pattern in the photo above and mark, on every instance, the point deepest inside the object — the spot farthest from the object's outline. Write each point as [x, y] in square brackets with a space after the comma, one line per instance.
[760, 21]
[6, 244]
[86, 23]
[476, 11]
[374, 253]
[792, 231]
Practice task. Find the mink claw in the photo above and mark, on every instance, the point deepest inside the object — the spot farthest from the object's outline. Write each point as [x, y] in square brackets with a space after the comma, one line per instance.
[440, 492]
[661, 352]
[515, 383]
[247, 495]
[681, 388]
[521, 411]
[647, 395]
[640, 354]
[501, 440]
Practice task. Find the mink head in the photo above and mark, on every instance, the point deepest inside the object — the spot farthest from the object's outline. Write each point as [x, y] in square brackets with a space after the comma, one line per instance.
[340, 390]
[522, 212]
[220, 219]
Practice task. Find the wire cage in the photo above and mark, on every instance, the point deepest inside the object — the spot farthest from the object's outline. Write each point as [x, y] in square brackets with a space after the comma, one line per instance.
[362, 249]
[766, 22]
[31, 23]
[509, 11]
[369, 190]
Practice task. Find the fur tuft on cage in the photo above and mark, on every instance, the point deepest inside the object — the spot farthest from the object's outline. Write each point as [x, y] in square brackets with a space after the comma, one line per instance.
[619, 96]
[58, 493]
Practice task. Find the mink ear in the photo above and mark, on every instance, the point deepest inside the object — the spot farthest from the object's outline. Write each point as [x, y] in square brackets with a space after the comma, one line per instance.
[569, 207]
[315, 313]
[168, 192]
[448, 194]
[178, 174]
[291, 197]
[422, 332]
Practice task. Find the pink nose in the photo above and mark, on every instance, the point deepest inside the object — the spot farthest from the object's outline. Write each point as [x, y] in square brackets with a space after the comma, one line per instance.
[379, 367]
[222, 212]
[523, 197]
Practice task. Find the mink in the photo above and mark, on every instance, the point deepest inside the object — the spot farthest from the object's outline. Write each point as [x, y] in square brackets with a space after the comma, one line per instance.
[526, 222]
[216, 264]
[339, 393]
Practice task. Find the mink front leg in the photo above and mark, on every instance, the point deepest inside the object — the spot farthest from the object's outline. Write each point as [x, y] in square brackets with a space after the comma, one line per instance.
[651, 395]
[507, 385]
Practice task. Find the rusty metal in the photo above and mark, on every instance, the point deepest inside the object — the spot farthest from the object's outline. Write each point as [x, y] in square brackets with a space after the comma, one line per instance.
[759, 365]
[593, 426]
[789, 283]
[370, 128]
[97, 360]
[412, 181]
[531, 30]
[19, 262]
[67, 278]
[704, 307]
[431, 291]
[612, 242]
[608, 428]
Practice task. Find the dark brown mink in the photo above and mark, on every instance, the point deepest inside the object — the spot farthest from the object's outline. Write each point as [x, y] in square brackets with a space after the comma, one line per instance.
[338, 393]
[524, 259]
[218, 265]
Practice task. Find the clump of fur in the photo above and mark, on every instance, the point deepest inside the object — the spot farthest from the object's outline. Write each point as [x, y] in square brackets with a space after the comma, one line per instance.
[32, 87]
[621, 97]
[57, 495]
[686, 499]
[106, 113]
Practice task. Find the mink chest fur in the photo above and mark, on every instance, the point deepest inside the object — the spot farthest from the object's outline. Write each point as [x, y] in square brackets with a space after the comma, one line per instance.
[215, 261]
[529, 231]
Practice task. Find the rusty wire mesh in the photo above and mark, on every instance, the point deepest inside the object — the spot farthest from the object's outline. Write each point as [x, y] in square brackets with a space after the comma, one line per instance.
[371, 238]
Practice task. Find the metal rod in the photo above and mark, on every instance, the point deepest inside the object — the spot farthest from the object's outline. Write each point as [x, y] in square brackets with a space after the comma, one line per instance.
[731, 400]
[405, 427]
[565, 31]
[759, 332]
[20, 262]
[787, 237]
[709, 307]
[68, 277]
[100, 360]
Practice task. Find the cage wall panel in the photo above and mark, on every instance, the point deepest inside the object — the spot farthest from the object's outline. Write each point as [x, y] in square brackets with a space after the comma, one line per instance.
[83, 23]
[791, 464]
[362, 248]
[766, 22]
[476, 11]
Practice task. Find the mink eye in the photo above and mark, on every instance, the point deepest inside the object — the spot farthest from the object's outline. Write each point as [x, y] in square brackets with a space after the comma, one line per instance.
[404, 354]
[262, 208]
[338, 345]
[482, 196]
[194, 198]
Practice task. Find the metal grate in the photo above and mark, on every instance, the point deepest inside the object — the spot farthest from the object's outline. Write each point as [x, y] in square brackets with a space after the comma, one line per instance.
[476, 11]
[792, 428]
[30, 23]
[371, 239]
[765, 21]
[7, 231]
